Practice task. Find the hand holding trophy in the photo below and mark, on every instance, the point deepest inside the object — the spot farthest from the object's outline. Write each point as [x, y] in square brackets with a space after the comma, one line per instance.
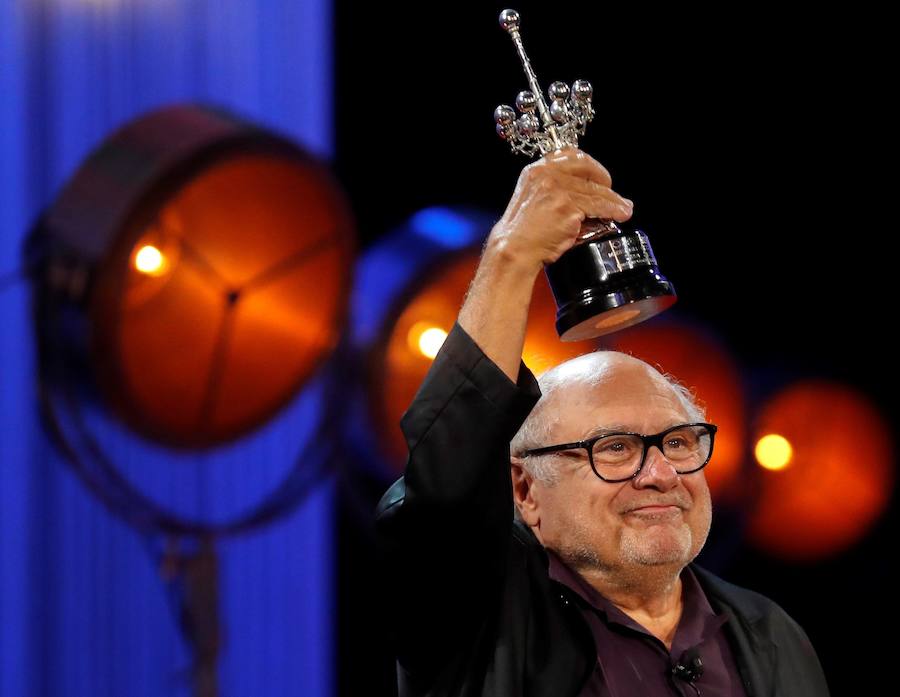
[609, 279]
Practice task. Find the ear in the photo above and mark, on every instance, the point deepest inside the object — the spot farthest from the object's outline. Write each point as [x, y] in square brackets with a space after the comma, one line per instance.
[523, 485]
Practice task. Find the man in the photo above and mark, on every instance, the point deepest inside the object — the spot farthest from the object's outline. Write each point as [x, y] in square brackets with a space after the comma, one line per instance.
[591, 590]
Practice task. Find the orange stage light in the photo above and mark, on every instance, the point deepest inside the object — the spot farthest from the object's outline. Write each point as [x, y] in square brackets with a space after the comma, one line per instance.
[217, 258]
[426, 315]
[839, 478]
[149, 260]
[703, 365]
[773, 452]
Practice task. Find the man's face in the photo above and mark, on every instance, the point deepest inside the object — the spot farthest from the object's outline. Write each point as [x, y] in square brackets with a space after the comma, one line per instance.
[593, 524]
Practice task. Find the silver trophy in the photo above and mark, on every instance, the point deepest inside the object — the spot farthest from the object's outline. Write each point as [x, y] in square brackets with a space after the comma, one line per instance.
[609, 280]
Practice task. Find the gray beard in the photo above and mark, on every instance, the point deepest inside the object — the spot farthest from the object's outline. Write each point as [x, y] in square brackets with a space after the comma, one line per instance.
[644, 562]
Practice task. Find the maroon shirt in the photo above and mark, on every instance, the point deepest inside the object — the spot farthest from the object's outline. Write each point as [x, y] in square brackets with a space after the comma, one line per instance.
[631, 661]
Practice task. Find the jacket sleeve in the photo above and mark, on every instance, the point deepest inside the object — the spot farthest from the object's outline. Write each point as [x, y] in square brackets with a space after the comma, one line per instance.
[444, 527]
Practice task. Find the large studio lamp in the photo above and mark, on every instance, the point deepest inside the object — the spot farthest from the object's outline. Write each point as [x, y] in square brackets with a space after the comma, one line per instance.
[198, 266]
[408, 291]
[700, 361]
[826, 470]
[193, 275]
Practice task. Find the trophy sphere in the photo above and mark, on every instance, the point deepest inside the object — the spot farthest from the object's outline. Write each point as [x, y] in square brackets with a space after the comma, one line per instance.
[558, 90]
[504, 115]
[558, 111]
[582, 90]
[509, 20]
[501, 131]
[526, 101]
[528, 124]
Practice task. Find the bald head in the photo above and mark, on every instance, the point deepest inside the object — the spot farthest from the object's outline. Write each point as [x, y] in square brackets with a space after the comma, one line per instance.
[580, 382]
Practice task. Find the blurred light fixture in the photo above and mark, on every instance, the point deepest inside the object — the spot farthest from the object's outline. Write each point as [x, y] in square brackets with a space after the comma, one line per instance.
[701, 363]
[150, 260]
[197, 268]
[839, 478]
[409, 289]
[193, 274]
[773, 452]
[427, 339]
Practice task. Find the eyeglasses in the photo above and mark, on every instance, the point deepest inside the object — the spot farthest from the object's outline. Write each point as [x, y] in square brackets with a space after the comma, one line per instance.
[618, 457]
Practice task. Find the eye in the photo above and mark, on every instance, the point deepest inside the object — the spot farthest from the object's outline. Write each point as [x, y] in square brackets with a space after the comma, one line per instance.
[685, 439]
[613, 445]
[616, 448]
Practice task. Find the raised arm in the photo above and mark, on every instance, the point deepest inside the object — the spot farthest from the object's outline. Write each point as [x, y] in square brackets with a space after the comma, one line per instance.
[543, 219]
[444, 527]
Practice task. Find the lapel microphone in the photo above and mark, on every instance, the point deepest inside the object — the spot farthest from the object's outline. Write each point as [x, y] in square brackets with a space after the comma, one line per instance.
[689, 667]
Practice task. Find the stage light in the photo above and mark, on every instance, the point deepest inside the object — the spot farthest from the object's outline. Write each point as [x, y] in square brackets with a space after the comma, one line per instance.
[149, 260]
[191, 277]
[839, 478]
[208, 264]
[410, 287]
[773, 452]
[700, 362]
[427, 339]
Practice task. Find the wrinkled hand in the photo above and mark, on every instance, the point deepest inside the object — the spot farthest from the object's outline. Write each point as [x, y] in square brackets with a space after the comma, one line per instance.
[552, 197]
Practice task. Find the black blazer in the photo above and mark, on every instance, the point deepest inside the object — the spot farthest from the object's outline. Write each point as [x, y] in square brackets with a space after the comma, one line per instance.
[473, 610]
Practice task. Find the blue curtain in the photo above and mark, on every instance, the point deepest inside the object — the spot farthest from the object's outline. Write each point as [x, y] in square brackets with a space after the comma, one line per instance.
[83, 608]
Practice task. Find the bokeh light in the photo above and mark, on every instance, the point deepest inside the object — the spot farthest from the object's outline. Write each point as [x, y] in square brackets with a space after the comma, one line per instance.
[420, 327]
[427, 339]
[701, 363]
[219, 273]
[773, 452]
[149, 260]
[839, 479]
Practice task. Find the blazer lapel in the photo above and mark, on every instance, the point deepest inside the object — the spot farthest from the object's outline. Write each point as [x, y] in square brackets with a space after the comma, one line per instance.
[754, 653]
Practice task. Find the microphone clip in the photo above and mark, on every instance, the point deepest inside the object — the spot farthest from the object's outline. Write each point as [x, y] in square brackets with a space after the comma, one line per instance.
[689, 667]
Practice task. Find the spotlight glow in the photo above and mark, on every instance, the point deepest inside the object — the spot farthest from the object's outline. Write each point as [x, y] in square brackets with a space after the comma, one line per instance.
[773, 452]
[839, 478]
[427, 339]
[149, 260]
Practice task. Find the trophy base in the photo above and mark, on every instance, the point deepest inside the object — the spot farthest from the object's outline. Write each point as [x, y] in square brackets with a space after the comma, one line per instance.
[607, 284]
[600, 318]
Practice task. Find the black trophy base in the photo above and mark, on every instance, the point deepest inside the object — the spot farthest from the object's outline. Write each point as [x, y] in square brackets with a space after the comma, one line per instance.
[592, 301]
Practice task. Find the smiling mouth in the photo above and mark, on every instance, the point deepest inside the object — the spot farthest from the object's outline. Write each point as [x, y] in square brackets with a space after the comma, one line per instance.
[656, 510]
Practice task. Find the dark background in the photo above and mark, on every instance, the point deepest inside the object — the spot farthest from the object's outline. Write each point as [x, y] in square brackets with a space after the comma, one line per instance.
[751, 143]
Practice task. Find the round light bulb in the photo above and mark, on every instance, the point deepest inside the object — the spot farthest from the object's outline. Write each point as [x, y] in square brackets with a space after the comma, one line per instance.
[773, 452]
[149, 260]
[427, 339]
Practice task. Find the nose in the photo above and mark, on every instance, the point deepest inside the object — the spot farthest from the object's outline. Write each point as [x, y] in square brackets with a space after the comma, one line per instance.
[657, 473]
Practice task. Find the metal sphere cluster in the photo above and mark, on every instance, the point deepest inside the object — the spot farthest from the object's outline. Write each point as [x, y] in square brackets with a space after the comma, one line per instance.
[568, 112]
[542, 127]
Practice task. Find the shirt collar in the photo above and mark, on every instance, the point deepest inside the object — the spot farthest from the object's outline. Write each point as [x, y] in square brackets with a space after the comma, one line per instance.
[698, 621]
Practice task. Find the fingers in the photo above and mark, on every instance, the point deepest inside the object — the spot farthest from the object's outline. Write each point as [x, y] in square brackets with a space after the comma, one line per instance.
[570, 180]
[578, 163]
[601, 206]
[570, 175]
[593, 199]
[589, 187]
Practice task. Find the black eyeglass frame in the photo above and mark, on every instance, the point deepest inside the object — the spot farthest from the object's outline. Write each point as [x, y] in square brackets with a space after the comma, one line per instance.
[656, 439]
